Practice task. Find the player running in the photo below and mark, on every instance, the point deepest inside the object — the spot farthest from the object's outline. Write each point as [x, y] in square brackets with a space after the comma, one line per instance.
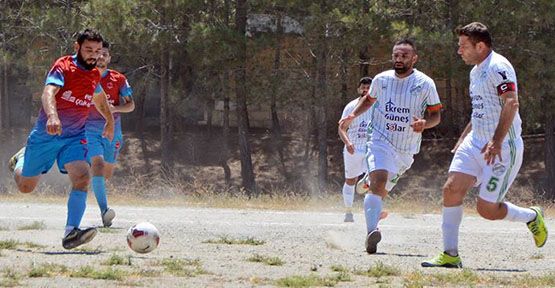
[103, 153]
[72, 84]
[489, 151]
[354, 152]
[404, 103]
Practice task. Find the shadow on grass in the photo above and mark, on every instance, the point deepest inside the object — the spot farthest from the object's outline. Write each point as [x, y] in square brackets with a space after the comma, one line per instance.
[72, 252]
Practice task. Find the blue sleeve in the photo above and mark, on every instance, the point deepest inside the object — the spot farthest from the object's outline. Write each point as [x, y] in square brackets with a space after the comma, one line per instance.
[125, 90]
[55, 77]
[98, 88]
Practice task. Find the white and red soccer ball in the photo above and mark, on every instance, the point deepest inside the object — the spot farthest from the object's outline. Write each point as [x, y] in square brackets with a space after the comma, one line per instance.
[143, 237]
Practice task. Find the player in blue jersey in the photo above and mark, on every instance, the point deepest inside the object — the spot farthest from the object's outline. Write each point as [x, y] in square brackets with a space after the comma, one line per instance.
[102, 152]
[72, 84]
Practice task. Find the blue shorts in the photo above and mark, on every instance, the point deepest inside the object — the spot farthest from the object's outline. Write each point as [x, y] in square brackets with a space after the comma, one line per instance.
[42, 149]
[100, 146]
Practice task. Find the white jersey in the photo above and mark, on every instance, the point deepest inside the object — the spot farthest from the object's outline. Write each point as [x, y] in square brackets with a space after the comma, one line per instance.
[485, 78]
[357, 132]
[397, 101]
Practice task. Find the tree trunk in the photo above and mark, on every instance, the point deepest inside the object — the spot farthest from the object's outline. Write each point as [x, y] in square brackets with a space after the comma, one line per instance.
[276, 83]
[224, 91]
[140, 97]
[322, 113]
[165, 101]
[344, 72]
[247, 171]
[5, 95]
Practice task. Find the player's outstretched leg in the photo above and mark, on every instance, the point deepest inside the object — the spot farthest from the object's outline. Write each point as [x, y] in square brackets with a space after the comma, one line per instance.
[15, 159]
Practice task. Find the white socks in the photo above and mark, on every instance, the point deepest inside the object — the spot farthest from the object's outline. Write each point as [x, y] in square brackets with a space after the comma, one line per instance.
[519, 214]
[452, 218]
[348, 195]
[372, 210]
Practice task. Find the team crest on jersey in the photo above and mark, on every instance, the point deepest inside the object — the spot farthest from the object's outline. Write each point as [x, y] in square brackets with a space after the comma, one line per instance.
[503, 74]
[499, 169]
[484, 75]
[109, 85]
[415, 89]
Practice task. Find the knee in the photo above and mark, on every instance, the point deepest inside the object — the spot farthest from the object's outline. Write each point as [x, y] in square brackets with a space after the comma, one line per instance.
[97, 167]
[81, 179]
[26, 188]
[348, 181]
[450, 191]
[378, 187]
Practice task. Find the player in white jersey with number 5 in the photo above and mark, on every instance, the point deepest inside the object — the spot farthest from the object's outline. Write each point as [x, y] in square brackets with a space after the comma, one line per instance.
[354, 153]
[489, 151]
[404, 102]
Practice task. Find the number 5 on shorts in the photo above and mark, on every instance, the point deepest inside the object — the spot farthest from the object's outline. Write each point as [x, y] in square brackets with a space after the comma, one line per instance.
[492, 184]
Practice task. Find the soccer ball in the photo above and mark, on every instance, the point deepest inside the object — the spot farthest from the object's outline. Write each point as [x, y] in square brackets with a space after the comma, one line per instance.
[143, 237]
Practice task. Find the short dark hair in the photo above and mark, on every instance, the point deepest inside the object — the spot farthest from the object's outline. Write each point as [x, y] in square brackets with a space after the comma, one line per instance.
[406, 41]
[105, 44]
[365, 80]
[476, 32]
[89, 34]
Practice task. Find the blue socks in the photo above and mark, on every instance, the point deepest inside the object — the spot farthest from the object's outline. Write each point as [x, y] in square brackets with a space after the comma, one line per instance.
[372, 210]
[99, 188]
[76, 205]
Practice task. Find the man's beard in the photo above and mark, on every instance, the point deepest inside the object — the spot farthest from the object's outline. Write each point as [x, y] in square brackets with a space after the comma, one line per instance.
[84, 63]
[400, 70]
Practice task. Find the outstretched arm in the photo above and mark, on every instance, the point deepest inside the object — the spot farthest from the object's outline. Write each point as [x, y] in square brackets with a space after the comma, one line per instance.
[128, 107]
[363, 105]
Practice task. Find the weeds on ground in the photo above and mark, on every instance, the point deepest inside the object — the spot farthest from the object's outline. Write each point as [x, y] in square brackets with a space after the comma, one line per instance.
[118, 260]
[106, 230]
[36, 225]
[313, 280]
[47, 270]
[10, 278]
[232, 241]
[378, 270]
[106, 274]
[183, 267]
[9, 244]
[271, 261]
[339, 268]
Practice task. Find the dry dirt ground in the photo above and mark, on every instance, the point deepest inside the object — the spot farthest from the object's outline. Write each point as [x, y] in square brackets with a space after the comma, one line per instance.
[305, 248]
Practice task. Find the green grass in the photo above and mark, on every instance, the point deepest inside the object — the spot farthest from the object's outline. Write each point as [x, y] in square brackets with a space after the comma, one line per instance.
[107, 230]
[47, 270]
[4, 228]
[339, 268]
[313, 280]
[10, 278]
[183, 267]
[463, 277]
[233, 241]
[378, 270]
[537, 256]
[95, 250]
[32, 245]
[105, 274]
[9, 244]
[36, 225]
[118, 260]
[271, 261]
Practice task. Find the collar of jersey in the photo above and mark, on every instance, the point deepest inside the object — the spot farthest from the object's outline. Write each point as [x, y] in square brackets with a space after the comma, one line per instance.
[487, 60]
[402, 79]
[105, 73]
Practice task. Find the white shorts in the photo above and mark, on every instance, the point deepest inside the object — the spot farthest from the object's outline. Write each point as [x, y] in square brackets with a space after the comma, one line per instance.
[355, 164]
[382, 156]
[494, 180]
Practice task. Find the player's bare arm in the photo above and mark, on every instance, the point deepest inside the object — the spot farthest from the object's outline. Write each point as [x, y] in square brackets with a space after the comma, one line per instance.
[508, 112]
[465, 132]
[128, 107]
[345, 138]
[48, 99]
[430, 120]
[101, 103]
[363, 105]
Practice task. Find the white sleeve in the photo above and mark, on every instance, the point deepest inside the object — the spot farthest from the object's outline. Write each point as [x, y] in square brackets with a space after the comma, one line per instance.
[375, 88]
[347, 110]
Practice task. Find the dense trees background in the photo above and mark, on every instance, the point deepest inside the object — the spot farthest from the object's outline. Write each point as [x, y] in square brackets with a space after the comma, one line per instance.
[294, 63]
